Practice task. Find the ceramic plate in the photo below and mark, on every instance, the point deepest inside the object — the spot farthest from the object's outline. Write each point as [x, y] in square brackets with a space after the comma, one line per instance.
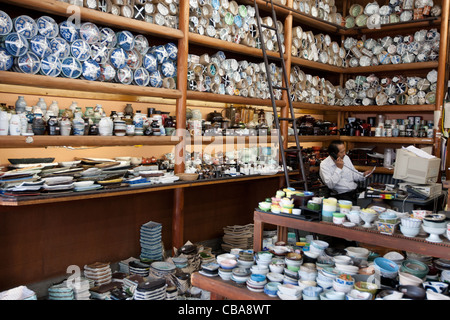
[28, 63]
[141, 77]
[149, 62]
[60, 47]
[68, 31]
[108, 37]
[16, 44]
[6, 24]
[118, 58]
[6, 60]
[51, 66]
[47, 27]
[90, 70]
[90, 33]
[71, 68]
[25, 26]
[80, 50]
[125, 40]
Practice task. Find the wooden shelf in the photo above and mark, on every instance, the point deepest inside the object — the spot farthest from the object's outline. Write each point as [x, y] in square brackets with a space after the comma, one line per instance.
[382, 170]
[85, 141]
[395, 27]
[315, 107]
[313, 138]
[316, 23]
[212, 97]
[399, 140]
[205, 140]
[40, 81]
[105, 19]
[389, 108]
[392, 67]
[372, 236]
[317, 65]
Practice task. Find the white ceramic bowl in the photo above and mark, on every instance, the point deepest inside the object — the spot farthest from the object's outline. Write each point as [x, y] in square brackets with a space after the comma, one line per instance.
[408, 231]
[357, 252]
[354, 217]
[409, 279]
[411, 222]
[224, 256]
[431, 295]
[275, 277]
[341, 259]
[80, 184]
[289, 289]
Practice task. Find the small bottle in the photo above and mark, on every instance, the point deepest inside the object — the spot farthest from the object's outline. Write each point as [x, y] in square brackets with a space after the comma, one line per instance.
[53, 126]
[65, 126]
[38, 125]
[14, 125]
[138, 122]
[104, 126]
[130, 125]
[78, 125]
[54, 108]
[4, 123]
[21, 104]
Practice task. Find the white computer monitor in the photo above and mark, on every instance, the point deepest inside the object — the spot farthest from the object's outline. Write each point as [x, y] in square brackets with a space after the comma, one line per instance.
[412, 168]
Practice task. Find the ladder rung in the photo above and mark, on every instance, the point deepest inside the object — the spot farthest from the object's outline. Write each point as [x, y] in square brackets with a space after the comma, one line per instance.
[275, 58]
[281, 88]
[293, 149]
[269, 27]
[286, 119]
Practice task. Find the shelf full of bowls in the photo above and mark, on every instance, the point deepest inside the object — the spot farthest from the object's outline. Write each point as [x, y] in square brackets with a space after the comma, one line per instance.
[90, 52]
[163, 13]
[234, 23]
[390, 90]
[321, 10]
[421, 46]
[374, 15]
[227, 76]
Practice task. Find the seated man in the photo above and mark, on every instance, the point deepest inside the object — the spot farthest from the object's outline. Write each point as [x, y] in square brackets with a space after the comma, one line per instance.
[339, 174]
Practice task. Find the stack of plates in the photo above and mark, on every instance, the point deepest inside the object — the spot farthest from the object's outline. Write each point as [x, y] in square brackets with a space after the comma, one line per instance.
[161, 269]
[124, 265]
[154, 289]
[151, 246]
[139, 268]
[171, 293]
[442, 264]
[256, 282]
[131, 282]
[81, 289]
[238, 237]
[60, 291]
[99, 272]
[209, 269]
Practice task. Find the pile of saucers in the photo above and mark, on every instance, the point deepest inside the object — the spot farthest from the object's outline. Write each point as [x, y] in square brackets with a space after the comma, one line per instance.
[139, 268]
[151, 248]
[162, 269]
[256, 282]
[81, 289]
[289, 292]
[240, 275]
[60, 291]
[209, 269]
[154, 289]
[99, 273]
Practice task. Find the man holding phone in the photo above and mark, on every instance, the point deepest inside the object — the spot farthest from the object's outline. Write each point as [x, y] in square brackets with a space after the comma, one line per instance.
[339, 174]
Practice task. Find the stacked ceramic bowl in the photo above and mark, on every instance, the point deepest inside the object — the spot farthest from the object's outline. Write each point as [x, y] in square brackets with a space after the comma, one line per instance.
[293, 261]
[325, 279]
[436, 225]
[256, 282]
[86, 51]
[99, 273]
[245, 260]
[343, 283]
[289, 292]
[153, 289]
[60, 292]
[323, 10]
[240, 275]
[415, 267]
[307, 275]
[271, 289]
[277, 265]
[150, 239]
[410, 227]
[311, 293]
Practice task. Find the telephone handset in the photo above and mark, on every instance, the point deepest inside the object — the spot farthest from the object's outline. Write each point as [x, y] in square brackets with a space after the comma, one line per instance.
[333, 155]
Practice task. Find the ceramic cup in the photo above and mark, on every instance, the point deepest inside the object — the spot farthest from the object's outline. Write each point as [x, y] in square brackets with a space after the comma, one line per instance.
[296, 211]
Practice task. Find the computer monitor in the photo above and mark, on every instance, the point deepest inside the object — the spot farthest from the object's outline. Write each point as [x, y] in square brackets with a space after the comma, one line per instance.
[409, 167]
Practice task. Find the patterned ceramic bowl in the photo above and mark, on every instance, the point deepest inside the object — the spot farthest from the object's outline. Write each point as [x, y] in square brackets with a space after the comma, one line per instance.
[51, 66]
[71, 68]
[107, 72]
[108, 37]
[26, 26]
[125, 40]
[168, 69]
[90, 70]
[99, 53]
[141, 77]
[6, 60]
[141, 44]
[156, 79]
[47, 27]
[134, 59]
[150, 62]
[80, 50]
[118, 58]
[6, 24]
[28, 63]
[160, 53]
[16, 44]
[90, 33]
[60, 47]
[68, 31]
[124, 75]
[40, 46]
[172, 50]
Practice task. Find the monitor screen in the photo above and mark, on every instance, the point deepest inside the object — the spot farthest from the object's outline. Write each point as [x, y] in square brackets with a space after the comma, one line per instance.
[412, 168]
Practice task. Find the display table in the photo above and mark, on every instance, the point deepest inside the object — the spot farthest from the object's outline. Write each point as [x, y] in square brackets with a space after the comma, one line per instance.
[405, 205]
[221, 289]
[372, 236]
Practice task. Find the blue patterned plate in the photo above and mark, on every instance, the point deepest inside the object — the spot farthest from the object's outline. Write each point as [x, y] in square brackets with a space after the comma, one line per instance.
[99, 53]
[16, 44]
[107, 72]
[141, 77]
[169, 69]
[47, 27]
[40, 46]
[6, 24]
[51, 66]
[71, 67]
[160, 53]
[91, 70]
[68, 31]
[156, 79]
[25, 26]
[125, 40]
[108, 37]
[172, 50]
[28, 63]
[60, 47]
[118, 58]
[81, 50]
[134, 59]
[150, 62]
[125, 75]
[6, 60]
[141, 44]
[90, 33]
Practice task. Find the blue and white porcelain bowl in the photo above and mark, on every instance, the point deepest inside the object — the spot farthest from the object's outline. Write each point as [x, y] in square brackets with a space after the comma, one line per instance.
[47, 27]
[68, 31]
[60, 47]
[118, 58]
[80, 49]
[141, 77]
[168, 69]
[16, 44]
[51, 66]
[90, 33]
[141, 43]
[172, 50]
[6, 60]
[71, 68]
[125, 75]
[40, 45]
[6, 24]
[26, 26]
[99, 53]
[160, 53]
[28, 63]
[134, 59]
[108, 37]
[107, 72]
[125, 40]
[156, 79]
[149, 62]
[90, 70]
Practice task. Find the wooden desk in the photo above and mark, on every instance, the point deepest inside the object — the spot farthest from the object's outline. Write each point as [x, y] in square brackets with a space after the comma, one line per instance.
[221, 289]
[417, 244]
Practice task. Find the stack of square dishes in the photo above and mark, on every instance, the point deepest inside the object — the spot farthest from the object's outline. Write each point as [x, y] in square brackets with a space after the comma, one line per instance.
[151, 248]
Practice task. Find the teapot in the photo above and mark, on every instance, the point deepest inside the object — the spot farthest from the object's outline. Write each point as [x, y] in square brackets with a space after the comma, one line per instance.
[214, 117]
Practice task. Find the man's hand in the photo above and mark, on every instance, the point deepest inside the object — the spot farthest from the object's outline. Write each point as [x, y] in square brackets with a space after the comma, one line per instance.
[367, 173]
[339, 163]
